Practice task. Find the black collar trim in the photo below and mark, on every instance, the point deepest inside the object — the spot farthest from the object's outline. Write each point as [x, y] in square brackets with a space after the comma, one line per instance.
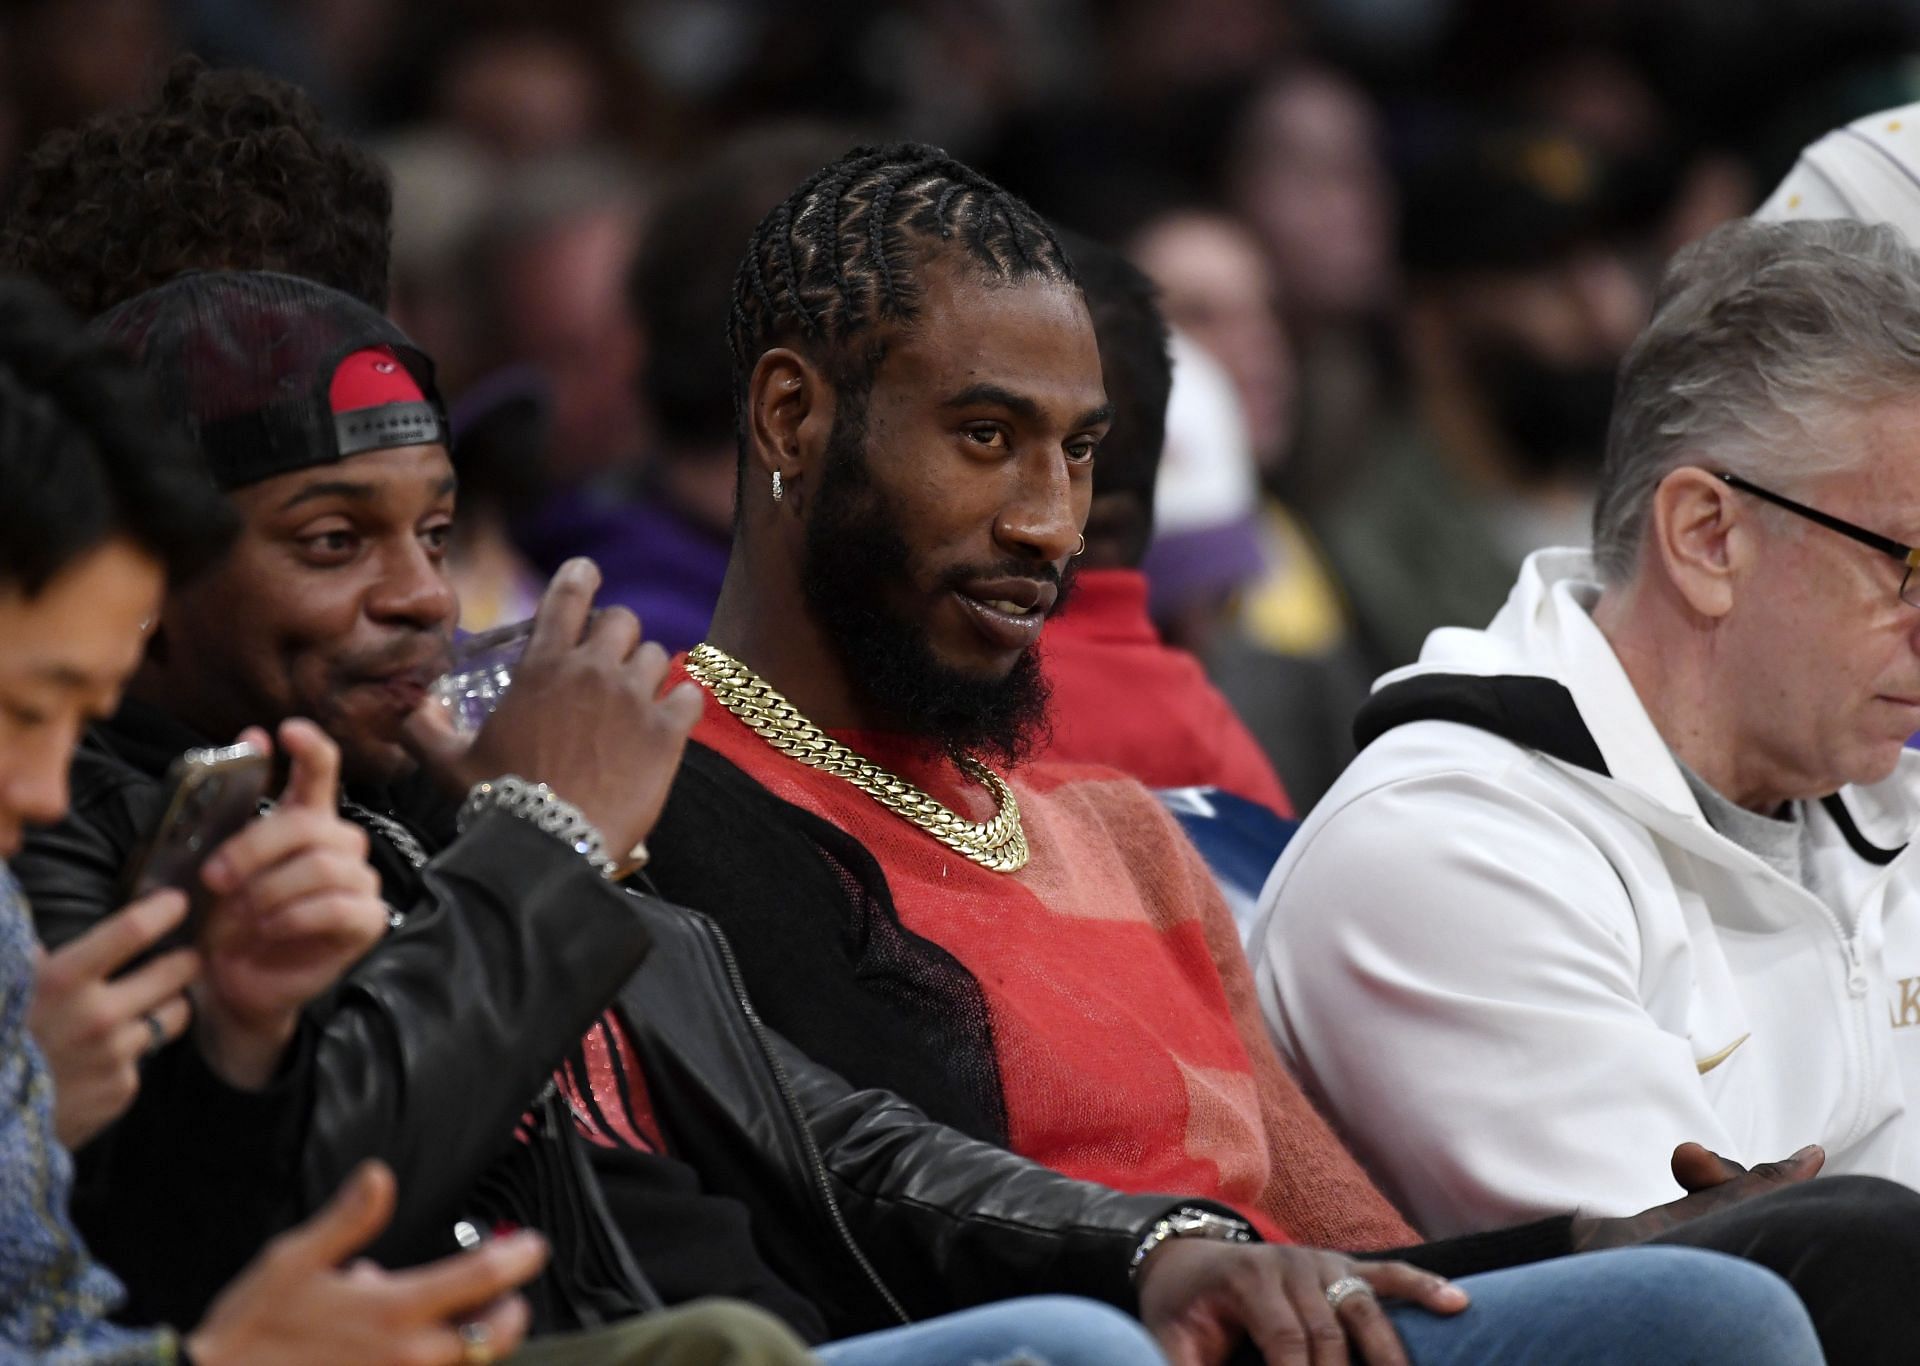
[1537, 713]
[1526, 709]
[1856, 841]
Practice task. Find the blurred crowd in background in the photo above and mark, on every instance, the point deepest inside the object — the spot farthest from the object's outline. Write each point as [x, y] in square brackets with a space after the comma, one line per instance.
[1405, 242]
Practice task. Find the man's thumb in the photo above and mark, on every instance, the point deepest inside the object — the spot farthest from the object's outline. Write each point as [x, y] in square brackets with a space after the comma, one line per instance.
[1697, 1167]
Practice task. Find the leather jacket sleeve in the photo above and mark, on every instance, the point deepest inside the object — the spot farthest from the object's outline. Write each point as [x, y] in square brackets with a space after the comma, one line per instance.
[442, 1037]
[954, 1222]
[950, 1221]
[425, 1056]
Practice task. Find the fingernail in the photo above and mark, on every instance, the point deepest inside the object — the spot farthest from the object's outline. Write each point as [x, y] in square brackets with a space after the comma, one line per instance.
[1452, 1294]
[1807, 1151]
[215, 874]
[577, 568]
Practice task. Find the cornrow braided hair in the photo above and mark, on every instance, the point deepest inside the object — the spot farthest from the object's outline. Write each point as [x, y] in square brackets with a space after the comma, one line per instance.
[841, 255]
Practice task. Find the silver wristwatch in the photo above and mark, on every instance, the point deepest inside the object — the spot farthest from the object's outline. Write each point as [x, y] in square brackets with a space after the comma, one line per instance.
[1189, 1221]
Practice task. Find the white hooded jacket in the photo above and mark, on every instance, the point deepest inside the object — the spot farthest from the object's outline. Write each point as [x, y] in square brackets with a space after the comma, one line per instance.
[1517, 981]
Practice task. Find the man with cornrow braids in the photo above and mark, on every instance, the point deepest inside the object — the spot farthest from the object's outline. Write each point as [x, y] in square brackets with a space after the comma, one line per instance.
[908, 614]
[1029, 951]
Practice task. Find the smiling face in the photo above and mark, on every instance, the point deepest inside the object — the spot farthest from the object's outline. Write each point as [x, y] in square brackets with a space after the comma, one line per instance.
[65, 653]
[1825, 653]
[333, 604]
[940, 536]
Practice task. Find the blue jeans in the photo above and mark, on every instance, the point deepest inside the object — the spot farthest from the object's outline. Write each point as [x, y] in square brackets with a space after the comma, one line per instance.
[1648, 1306]
[1046, 1330]
[1643, 1306]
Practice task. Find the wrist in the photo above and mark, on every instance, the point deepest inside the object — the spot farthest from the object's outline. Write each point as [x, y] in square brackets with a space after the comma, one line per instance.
[1189, 1221]
[547, 811]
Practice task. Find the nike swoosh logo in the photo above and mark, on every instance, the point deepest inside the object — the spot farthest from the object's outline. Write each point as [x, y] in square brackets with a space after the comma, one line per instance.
[1707, 1065]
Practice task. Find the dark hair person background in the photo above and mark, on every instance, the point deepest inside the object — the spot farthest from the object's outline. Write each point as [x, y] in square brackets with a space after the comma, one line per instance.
[223, 168]
[661, 538]
[98, 506]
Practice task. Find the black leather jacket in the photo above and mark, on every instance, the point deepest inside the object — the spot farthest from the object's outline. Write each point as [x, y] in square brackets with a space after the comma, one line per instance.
[428, 1053]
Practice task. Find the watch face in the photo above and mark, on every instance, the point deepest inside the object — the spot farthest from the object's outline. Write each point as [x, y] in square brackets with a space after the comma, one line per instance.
[1192, 1223]
[1201, 1224]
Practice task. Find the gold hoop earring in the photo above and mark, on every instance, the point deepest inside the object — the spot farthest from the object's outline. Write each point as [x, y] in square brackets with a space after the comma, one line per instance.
[1080, 549]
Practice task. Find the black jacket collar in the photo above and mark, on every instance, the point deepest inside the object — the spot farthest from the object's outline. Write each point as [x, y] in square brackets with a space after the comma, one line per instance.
[1526, 709]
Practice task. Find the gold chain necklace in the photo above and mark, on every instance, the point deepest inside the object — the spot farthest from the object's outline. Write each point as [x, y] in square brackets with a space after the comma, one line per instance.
[999, 844]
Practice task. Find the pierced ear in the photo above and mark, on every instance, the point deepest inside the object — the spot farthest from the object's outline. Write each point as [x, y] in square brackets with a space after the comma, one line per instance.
[1703, 538]
[789, 417]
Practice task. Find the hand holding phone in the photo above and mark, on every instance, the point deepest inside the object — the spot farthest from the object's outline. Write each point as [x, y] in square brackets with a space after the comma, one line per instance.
[215, 793]
[106, 1000]
[294, 904]
[96, 1019]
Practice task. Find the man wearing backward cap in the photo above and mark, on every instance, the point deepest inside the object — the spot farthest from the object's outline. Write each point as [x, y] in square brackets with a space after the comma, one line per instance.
[321, 424]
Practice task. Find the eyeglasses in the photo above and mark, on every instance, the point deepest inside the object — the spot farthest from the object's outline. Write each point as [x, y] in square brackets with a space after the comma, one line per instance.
[1886, 545]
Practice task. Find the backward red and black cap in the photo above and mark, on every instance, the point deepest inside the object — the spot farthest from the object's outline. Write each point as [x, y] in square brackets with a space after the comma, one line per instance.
[271, 373]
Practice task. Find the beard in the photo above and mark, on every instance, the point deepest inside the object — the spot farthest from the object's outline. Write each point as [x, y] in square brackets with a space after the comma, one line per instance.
[853, 551]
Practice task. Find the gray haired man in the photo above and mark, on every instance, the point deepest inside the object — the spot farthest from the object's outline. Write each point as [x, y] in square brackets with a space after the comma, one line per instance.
[1632, 866]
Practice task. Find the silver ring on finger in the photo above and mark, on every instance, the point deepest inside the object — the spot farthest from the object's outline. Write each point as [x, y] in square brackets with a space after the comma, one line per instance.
[157, 1034]
[1345, 1289]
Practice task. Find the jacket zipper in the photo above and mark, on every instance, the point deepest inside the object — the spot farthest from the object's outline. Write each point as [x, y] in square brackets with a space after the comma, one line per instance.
[816, 1163]
[1859, 1068]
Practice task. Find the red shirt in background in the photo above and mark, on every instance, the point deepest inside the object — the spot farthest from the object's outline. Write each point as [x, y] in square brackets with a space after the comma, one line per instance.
[1124, 698]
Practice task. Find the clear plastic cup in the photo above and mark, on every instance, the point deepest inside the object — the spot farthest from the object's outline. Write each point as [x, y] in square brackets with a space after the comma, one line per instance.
[482, 671]
[480, 675]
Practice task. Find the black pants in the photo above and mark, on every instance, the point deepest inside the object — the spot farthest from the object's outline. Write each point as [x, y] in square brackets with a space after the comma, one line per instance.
[1850, 1247]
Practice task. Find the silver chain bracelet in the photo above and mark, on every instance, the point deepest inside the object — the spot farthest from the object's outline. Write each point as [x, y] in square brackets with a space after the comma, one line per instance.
[546, 810]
